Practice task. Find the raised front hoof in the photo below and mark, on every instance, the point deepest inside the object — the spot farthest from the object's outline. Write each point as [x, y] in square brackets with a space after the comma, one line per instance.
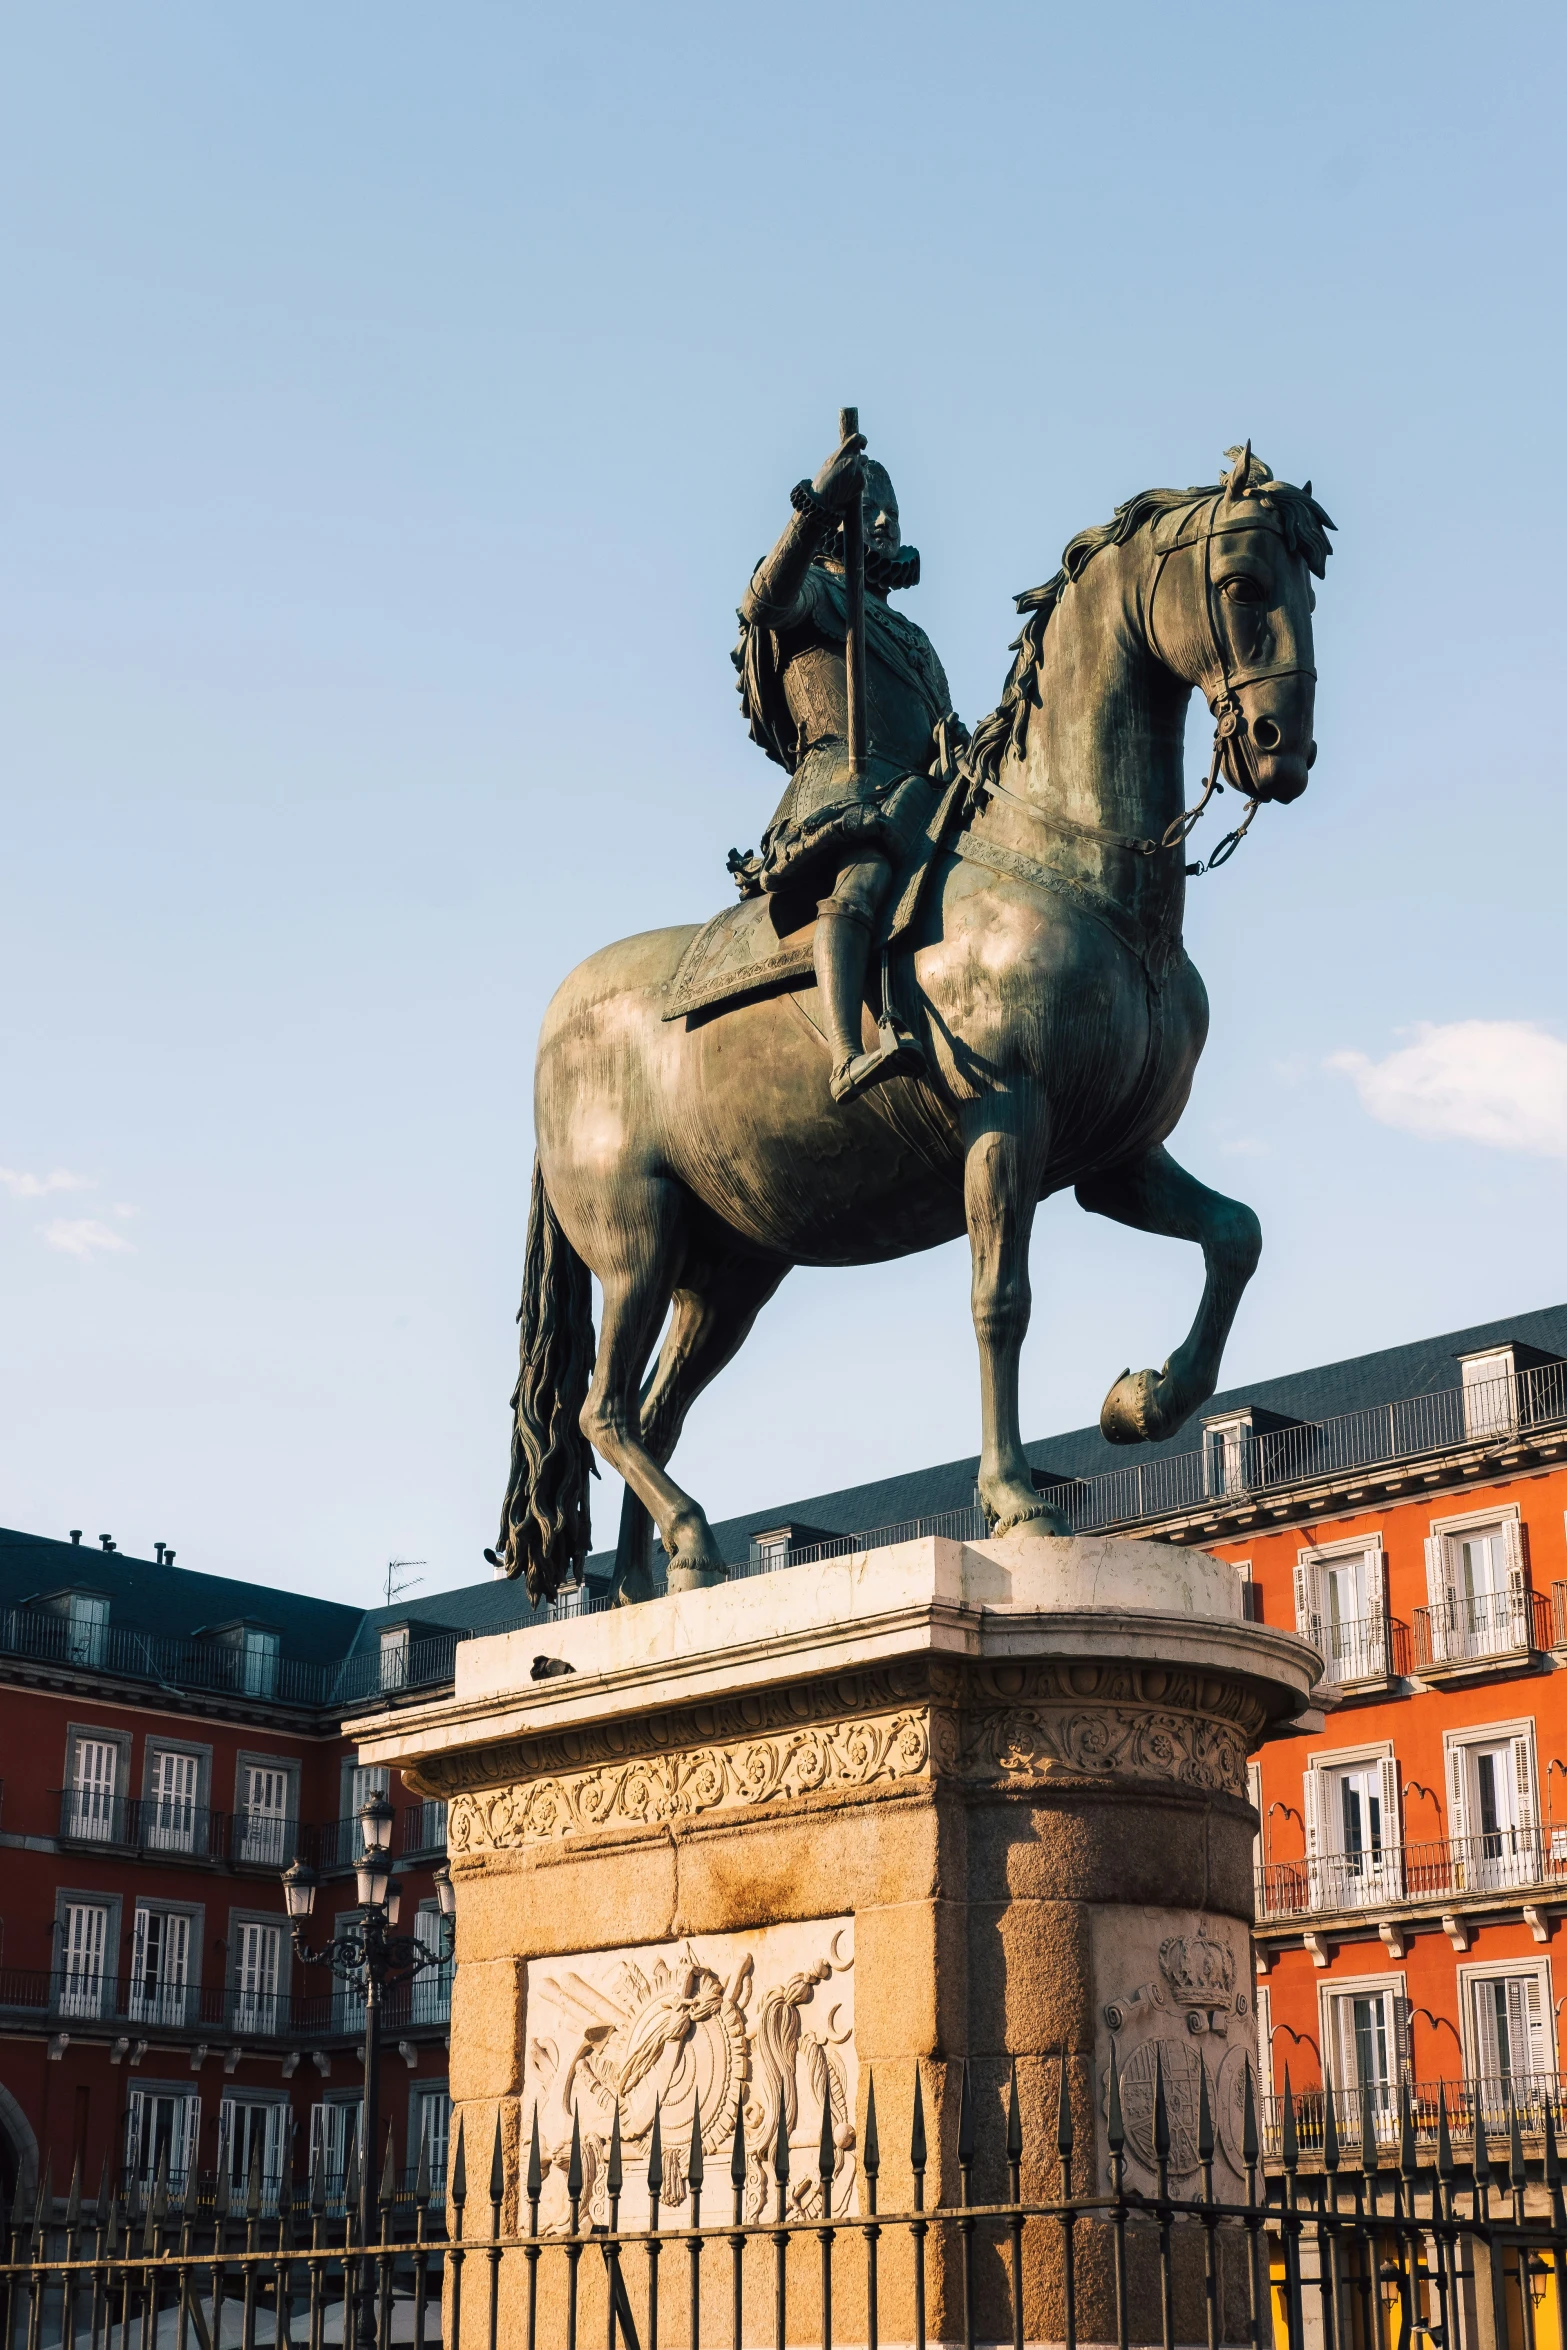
[695, 1575]
[1134, 1411]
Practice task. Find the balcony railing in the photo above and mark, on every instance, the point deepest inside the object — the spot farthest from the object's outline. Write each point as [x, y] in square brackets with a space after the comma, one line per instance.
[64, 1998]
[1377, 2110]
[1472, 1630]
[263, 1840]
[424, 1830]
[1507, 1860]
[142, 1823]
[1361, 1648]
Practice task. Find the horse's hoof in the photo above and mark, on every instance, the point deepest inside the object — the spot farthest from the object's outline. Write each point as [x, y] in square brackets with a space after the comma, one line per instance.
[1130, 1414]
[1041, 1514]
[696, 1574]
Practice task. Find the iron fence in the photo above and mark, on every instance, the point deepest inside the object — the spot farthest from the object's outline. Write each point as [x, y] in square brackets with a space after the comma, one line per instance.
[1360, 1648]
[999, 2233]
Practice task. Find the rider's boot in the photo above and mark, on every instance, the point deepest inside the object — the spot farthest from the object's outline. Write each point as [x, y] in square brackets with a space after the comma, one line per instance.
[842, 951]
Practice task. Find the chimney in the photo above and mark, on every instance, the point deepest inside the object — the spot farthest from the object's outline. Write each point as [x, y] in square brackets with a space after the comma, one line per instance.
[168, 1556]
[157, 1552]
[106, 1542]
[76, 1534]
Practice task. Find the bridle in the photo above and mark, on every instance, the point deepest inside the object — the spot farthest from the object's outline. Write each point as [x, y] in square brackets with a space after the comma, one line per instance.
[1229, 714]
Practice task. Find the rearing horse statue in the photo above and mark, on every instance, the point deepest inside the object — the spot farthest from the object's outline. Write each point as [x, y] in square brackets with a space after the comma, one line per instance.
[689, 1164]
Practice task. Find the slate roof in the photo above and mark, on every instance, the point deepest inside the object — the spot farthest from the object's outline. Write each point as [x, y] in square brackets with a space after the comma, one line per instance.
[181, 1601]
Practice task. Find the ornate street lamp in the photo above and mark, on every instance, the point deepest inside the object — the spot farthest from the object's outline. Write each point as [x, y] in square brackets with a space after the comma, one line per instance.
[371, 1956]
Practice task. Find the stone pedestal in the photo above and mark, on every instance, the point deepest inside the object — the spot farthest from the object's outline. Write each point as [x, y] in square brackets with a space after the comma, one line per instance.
[940, 1804]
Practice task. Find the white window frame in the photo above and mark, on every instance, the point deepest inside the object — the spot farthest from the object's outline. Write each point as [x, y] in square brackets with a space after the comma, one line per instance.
[270, 1844]
[1452, 1641]
[180, 1823]
[421, 2094]
[1263, 2008]
[393, 1644]
[258, 2014]
[1334, 1883]
[1367, 1656]
[167, 2003]
[1502, 1385]
[329, 2139]
[1228, 1442]
[1351, 1987]
[89, 1822]
[80, 2003]
[181, 2160]
[277, 2110]
[1475, 1971]
[1522, 1859]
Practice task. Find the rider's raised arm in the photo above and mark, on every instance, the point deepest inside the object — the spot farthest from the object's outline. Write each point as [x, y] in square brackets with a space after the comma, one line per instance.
[777, 593]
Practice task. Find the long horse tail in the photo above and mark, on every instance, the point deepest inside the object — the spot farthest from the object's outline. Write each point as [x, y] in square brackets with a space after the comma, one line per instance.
[545, 1523]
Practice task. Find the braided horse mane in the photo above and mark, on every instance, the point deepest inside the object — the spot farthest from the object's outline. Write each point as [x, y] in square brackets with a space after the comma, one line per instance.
[1305, 526]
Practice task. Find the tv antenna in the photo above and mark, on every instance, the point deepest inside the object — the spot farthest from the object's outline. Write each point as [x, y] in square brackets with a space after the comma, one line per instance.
[397, 1582]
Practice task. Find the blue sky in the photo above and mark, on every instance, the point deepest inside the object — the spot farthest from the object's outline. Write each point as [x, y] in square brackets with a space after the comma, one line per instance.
[393, 404]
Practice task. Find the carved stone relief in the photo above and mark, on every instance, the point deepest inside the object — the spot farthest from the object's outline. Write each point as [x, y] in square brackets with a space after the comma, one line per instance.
[1180, 2005]
[758, 2023]
[994, 1722]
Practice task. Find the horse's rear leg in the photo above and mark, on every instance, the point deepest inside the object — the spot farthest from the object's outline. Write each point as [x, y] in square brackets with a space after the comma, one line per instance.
[637, 1264]
[1004, 1158]
[720, 1295]
[1153, 1194]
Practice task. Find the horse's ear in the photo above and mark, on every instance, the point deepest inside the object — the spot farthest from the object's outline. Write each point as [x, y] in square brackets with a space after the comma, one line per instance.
[1238, 481]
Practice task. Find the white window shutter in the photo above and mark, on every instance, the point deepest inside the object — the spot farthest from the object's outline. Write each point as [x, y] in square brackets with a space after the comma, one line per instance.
[139, 1942]
[1303, 1598]
[1482, 2007]
[1512, 1552]
[1376, 1581]
[1457, 1794]
[1311, 1786]
[1523, 1779]
[1436, 1570]
[1536, 2015]
[1399, 2067]
[1392, 1826]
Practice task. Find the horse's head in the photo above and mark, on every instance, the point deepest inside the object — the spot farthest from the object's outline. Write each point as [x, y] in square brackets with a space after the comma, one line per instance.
[1230, 612]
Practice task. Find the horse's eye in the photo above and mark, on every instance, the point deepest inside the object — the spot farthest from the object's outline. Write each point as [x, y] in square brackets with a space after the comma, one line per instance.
[1241, 588]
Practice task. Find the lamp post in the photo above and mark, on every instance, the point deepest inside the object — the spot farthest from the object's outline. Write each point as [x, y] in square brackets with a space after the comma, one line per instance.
[369, 1954]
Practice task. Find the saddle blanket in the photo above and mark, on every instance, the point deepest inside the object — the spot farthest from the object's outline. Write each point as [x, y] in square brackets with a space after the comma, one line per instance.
[741, 953]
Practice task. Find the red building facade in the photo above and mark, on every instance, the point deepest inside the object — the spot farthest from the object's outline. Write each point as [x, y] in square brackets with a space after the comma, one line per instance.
[170, 1743]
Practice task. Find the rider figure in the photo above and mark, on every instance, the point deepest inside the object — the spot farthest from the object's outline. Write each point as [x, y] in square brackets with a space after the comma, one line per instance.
[833, 831]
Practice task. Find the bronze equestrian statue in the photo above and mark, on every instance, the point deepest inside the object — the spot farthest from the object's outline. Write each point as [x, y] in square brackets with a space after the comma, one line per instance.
[1048, 1016]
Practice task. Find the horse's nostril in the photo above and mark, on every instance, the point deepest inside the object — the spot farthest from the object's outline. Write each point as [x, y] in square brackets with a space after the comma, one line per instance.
[1266, 735]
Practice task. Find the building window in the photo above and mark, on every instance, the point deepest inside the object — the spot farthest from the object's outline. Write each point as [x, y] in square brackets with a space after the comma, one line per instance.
[92, 1801]
[264, 1833]
[161, 1967]
[1226, 1456]
[260, 1653]
[84, 1942]
[161, 2123]
[258, 1959]
[1352, 1830]
[1475, 1579]
[1366, 2044]
[1492, 1811]
[394, 1657]
[1341, 1608]
[1264, 2042]
[175, 1819]
[252, 2133]
[432, 1986]
[1507, 2013]
[348, 1998]
[430, 2133]
[87, 1627]
[334, 2132]
[1490, 1390]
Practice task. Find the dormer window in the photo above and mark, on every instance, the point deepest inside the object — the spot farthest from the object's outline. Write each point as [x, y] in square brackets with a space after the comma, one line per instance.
[778, 1544]
[1227, 1454]
[394, 1657]
[1508, 1387]
[84, 1616]
[256, 1651]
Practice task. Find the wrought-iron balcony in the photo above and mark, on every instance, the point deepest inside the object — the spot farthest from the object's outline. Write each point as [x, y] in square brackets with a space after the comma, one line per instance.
[1373, 2114]
[223, 2010]
[1509, 1860]
[423, 1831]
[142, 1823]
[1466, 1632]
[1361, 1650]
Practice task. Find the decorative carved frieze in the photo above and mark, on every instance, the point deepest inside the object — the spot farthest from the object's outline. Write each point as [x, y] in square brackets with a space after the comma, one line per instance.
[981, 1724]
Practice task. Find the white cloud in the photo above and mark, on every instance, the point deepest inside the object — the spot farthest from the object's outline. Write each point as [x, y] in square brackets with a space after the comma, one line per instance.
[24, 1186]
[1498, 1082]
[81, 1236]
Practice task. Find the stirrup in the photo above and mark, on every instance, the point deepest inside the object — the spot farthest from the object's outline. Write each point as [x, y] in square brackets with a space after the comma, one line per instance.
[895, 1056]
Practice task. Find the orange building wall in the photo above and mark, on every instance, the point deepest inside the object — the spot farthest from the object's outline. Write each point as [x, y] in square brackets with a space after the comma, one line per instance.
[1415, 1725]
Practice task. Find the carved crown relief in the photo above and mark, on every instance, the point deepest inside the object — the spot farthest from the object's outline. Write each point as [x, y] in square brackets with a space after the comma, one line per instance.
[986, 1724]
[1186, 2023]
[757, 2025]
